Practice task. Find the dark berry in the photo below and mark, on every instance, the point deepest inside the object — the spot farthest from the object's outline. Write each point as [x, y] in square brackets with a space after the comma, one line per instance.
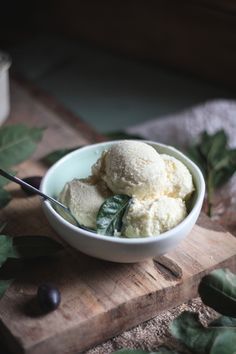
[49, 297]
[33, 181]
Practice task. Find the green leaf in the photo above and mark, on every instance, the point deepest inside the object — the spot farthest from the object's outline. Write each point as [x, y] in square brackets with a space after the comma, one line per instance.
[27, 247]
[218, 290]
[192, 333]
[224, 321]
[56, 155]
[4, 285]
[220, 177]
[225, 343]
[194, 153]
[109, 218]
[17, 143]
[218, 143]
[5, 197]
[5, 248]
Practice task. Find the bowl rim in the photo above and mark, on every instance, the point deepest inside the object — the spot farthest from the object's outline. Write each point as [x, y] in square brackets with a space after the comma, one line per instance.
[123, 240]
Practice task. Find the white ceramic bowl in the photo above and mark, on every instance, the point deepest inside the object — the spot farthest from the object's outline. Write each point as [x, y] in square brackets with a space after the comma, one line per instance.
[78, 164]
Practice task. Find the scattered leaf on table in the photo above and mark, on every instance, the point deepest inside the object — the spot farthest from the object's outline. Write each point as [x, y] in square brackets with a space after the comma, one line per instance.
[109, 218]
[218, 290]
[17, 143]
[4, 285]
[225, 343]
[5, 248]
[5, 197]
[56, 155]
[216, 160]
[34, 246]
[192, 333]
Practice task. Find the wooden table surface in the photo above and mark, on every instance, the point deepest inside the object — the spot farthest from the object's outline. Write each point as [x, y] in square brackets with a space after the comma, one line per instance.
[37, 109]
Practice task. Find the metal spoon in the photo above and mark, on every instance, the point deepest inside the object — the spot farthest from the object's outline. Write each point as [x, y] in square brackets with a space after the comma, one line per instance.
[37, 191]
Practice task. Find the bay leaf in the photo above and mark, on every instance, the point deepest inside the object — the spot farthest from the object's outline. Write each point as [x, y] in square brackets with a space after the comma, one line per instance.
[5, 248]
[4, 285]
[109, 218]
[5, 197]
[26, 247]
[56, 155]
[218, 143]
[17, 143]
[194, 154]
[218, 291]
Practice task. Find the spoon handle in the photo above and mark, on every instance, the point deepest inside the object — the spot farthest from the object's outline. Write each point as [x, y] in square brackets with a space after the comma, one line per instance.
[30, 188]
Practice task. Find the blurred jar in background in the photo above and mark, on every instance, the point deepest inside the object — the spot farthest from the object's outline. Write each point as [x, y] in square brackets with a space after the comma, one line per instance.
[5, 63]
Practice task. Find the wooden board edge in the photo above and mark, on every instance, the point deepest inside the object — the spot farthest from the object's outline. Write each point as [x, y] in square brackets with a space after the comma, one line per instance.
[88, 333]
[58, 108]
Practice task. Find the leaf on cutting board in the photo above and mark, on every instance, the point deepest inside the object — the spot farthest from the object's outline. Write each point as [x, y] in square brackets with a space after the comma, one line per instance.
[56, 155]
[4, 285]
[218, 290]
[17, 143]
[5, 248]
[5, 197]
[109, 218]
[27, 247]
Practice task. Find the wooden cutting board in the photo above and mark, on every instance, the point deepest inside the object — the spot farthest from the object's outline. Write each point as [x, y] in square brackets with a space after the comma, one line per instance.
[99, 299]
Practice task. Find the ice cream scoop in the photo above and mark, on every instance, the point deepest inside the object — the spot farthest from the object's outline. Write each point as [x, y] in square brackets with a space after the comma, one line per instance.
[179, 180]
[133, 168]
[84, 198]
[151, 218]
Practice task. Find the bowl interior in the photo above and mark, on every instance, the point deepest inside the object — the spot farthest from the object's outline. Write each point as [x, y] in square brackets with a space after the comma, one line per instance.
[78, 165]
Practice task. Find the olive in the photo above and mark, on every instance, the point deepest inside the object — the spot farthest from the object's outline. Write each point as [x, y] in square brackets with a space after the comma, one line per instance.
[33, 181]
[48, 297]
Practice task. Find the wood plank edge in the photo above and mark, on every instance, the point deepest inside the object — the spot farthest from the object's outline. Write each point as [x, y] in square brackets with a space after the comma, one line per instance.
[89, 333]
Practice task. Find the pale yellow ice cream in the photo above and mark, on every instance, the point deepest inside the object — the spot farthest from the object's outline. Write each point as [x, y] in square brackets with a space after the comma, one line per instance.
[179, 180]
[132, 168]
[150, 218]
[158, 184]
[84, 198]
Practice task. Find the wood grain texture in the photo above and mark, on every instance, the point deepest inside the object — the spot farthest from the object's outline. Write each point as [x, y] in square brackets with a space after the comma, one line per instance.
[99, 299]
